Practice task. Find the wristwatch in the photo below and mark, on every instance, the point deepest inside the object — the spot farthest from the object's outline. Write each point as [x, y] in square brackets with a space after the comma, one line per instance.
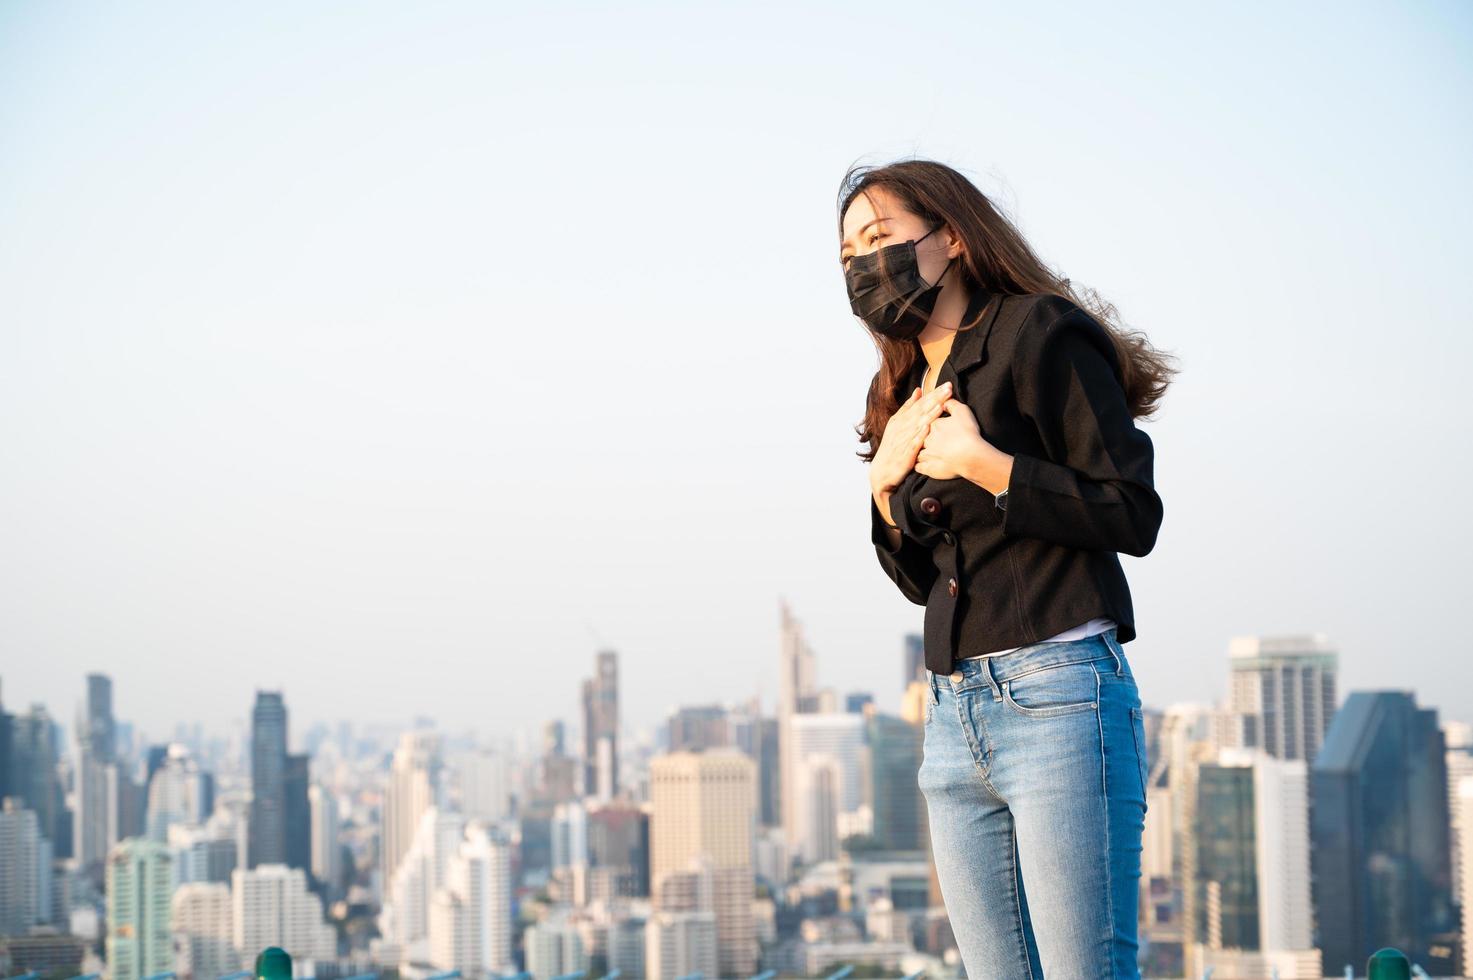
[1001, 499]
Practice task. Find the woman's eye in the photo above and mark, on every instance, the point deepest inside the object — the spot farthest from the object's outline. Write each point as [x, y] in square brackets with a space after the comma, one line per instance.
[875, 237]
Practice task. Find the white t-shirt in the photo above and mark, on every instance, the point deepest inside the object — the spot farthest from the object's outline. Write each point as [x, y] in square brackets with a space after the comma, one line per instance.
[1097, 625]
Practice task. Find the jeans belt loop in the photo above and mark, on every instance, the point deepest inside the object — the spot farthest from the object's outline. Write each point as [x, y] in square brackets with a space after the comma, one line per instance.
[931, 681]
[991, 678]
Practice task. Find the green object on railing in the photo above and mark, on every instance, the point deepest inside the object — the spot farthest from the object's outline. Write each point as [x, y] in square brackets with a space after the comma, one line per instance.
[274, 963]
[1388, 964]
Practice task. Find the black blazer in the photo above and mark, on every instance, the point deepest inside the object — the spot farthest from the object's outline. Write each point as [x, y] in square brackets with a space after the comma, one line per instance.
[1042, 377]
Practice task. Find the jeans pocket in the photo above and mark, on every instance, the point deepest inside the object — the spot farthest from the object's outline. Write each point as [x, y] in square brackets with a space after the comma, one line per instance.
[1052, 691]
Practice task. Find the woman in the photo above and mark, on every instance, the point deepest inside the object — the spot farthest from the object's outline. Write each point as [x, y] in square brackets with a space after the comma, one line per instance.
[1006, 475]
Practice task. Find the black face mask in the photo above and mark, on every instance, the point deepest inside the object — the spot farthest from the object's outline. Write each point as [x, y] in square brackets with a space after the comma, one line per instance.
[887, 292]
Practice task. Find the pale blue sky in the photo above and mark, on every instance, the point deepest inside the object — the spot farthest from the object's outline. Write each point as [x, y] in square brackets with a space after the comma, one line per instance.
[399, 355]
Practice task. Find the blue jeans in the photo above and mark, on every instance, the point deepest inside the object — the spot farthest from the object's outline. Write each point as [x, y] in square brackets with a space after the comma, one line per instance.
[1034, 772]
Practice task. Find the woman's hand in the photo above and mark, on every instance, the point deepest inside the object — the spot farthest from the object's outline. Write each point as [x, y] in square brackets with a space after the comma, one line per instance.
[953, 447]
[904, 435]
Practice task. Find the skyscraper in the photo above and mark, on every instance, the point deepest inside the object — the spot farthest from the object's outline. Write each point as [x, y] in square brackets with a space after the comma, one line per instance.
[25, 870]
[267, 825]
[601, 728]
[414, 787]
[470, 917]
[139, 922]
[34, 752]
[297, 813]
[1379, 825]
[895, 797]
[327, 865]
[1282, 694]
[97, 778]
[797, 694]
[701, 824]
[828, 756]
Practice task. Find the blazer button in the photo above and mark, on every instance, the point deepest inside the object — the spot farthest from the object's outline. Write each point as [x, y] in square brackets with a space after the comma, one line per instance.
[930, 506]
[951, 586]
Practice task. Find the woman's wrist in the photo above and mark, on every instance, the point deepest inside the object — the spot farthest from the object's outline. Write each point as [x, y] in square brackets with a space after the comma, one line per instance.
[990, 468]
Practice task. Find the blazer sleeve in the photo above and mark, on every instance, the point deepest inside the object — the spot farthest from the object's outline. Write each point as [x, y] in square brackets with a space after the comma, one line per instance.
[909, 566]
[1095, 489]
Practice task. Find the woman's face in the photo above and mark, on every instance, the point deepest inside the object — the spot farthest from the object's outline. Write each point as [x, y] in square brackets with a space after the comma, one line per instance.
[875, 220]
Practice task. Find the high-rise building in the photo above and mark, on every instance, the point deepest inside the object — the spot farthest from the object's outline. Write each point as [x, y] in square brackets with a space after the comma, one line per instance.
[1458, 737]
[894, 796]
[560, 775]
[267, 826]
[680, 944]
[1379, 826]
[797, 694]
[413, 789]
[696, 728]
[619, 841]
[915, 661]
[204, 932]
[601, 728]
[554, 947]
[569, 836]
[1248, 844]
[297, 810]
[470, 916]
[35, 750]
[420, 872]
[702, 821]
[139, 926]
[1463, 817]
[25, 870]
[1282, 694]
[176, 793]
[204, 852]
[829, 779]
[97, 775]
[483, 784]
[271, 906]
[327, 861]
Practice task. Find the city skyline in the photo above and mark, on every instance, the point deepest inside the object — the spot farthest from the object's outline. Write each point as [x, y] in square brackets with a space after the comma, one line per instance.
[334, 258]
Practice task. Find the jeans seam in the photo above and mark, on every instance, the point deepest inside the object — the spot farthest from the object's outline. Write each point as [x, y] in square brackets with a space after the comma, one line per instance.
[1017, 896]
[1109, 937]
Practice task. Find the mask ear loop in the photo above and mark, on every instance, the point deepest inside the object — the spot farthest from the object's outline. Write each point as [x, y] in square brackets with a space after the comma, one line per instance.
[948, 261]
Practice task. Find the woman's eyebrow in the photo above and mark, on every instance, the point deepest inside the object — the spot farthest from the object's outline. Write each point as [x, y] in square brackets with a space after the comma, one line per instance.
[860, 232]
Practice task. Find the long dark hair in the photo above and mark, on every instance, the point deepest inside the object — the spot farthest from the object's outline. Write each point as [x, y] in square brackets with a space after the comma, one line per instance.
[995, 256]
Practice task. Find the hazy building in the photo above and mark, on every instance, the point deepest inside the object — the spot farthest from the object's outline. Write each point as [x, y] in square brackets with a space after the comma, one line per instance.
[601, 728]
[702, 820]
[204, 931]
[25, 870]
[97, 776]
[696, 728]
[470, 917]
[413, 789]
[271, 906]
[267, 824]
[619, 840]
[327, 851]
[894, 795]
[1282, 694]
[34, 753]
[828, 754]
[797, 694]
[1382, 873]
[139, 924]
[177, 793]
